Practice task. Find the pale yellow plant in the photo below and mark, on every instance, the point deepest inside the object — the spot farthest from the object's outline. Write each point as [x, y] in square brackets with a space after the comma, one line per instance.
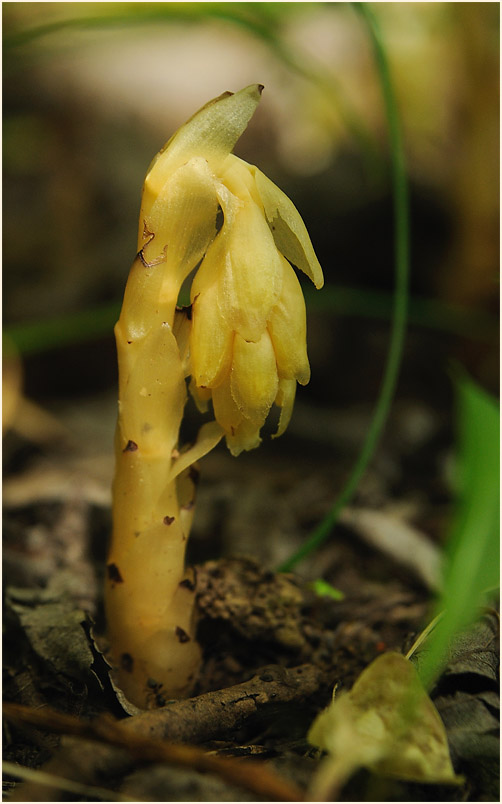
[243, 344]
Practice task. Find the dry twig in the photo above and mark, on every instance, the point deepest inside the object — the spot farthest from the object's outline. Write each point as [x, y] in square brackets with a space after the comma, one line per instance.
[211, 715]
[144, 736]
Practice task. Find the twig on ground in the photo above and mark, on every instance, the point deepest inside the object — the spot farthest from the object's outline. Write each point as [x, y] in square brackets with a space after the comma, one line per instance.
[39, 777]
[80, 761]
[212, 714]
[201, 718]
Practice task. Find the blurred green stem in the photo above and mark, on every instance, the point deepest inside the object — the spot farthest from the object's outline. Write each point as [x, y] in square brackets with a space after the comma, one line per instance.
[401, 257]
[64, 330]
[36, 337]
[473, 548]
[262, 20]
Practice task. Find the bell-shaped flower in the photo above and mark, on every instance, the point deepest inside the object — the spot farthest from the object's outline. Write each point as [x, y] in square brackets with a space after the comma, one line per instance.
[248, 338]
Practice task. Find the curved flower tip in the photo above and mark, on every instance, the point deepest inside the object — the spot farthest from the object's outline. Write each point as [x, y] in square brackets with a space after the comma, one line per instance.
[285, 399]
[212, 132]
[290, 233]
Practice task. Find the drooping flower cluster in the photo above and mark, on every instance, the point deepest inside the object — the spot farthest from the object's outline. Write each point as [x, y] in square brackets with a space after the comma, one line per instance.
[248, 330]
[248, 340]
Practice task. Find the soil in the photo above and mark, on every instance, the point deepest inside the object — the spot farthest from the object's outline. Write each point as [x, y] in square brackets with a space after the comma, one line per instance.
[274, 648]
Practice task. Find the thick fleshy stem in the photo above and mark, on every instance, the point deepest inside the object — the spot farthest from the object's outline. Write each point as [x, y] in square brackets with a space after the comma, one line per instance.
[149, 596]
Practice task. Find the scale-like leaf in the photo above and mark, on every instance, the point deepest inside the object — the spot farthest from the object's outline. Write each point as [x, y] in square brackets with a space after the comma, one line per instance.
[386, 723]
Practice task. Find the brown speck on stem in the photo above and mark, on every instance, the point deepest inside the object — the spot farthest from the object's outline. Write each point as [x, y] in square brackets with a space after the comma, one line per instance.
[147, 234]
[188, 584]
[182, 635]
[188, 506]
[131, 446]
[168, 520]
[114, 573]
[127, 662]
[156, 261]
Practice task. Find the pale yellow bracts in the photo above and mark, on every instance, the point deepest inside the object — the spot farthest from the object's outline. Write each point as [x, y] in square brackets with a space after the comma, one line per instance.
[243, 343]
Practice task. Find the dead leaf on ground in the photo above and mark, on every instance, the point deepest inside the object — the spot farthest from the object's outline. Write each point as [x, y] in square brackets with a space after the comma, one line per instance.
[54, 630]
[468, 699]
[386, 723]
[404, 544]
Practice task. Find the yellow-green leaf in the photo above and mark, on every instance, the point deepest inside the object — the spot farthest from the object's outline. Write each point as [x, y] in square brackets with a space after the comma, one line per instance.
[288, 329]
[386, 723]
[289, 231]
[254, 382]
[213, 130]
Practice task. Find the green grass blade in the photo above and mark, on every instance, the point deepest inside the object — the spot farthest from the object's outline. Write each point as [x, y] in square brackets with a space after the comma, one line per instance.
[39, 336]
[401, 261]
[35, 337]
[127, 14]
[324, 589]
[429, 313]
[473, 550]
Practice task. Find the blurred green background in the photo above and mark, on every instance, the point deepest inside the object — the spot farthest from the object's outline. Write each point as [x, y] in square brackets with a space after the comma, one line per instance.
[92, 91]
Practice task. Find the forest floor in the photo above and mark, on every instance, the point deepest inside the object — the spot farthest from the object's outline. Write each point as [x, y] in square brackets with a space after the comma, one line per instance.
[274, 648]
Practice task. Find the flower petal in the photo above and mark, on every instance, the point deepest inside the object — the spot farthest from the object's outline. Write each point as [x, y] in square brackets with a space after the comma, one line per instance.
[211, 340]
[285, 399]
[179, 225]
[251, 277]
[245, 437]
[226, 412]
[181, 331]
[253, 379]
[238, 176]
[289, 231]
[211, 268]
[288, 329]
[200, 396]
